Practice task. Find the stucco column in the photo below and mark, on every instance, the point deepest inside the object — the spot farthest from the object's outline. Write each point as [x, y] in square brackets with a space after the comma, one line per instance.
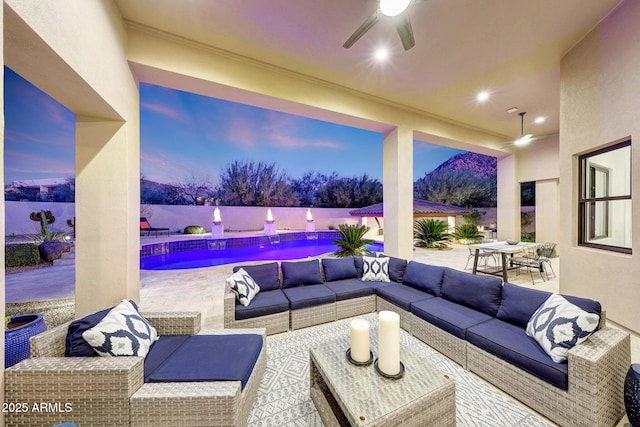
[2, 228]
[508, 199]
[398, 192]
[107, 214]
[547, 211]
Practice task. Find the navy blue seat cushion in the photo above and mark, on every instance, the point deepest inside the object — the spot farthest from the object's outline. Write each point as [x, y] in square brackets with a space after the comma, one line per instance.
[425, 277]
[448, 316]
[511, 343]
[160, 351]
[519, 303]
[350, 288]
[339, 268]
[402, 295]
[397, 267]
[377, 285]
[300, 273]
[309, 296]
[479, 292]
[267, 276]
[264, 303]
[75, 344]
[211, 358]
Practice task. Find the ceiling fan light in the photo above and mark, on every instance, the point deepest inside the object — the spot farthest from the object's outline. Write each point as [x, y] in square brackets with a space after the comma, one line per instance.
[523, 140]
[393, 7]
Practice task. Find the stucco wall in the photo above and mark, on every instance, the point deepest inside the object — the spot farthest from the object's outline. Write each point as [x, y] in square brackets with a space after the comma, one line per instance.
[75, 51]
[600, 87]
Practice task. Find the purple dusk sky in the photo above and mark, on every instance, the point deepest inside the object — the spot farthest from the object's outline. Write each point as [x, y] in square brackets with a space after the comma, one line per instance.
[185, 135]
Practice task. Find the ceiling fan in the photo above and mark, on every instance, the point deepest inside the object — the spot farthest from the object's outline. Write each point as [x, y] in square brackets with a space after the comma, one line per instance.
[395, 9]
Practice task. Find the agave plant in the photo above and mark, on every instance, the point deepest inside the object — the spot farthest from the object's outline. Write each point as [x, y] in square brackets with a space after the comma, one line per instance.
[467, 233]
[352, 241]
[431, 233]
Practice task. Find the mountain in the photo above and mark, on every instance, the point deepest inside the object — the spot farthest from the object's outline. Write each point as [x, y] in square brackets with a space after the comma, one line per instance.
[479, 164]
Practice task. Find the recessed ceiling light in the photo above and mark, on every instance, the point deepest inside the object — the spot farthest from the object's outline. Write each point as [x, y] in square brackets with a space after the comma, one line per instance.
[539, 120]
[482, 96]
[381, 54]
[512, 110]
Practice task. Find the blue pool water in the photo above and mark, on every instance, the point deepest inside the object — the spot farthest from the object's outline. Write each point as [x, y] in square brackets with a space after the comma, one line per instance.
[213, 255]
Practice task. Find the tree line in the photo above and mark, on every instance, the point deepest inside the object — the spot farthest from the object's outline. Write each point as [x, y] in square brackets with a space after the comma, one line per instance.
[263, 184]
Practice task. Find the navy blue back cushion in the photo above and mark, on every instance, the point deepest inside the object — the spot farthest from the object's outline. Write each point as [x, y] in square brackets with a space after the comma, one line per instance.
[425, 277]
[339, 268]
[397, 267]
[519, 303]
[479, 292]
[357, 260]
[75, 345]
[267, 276]
[301, 273]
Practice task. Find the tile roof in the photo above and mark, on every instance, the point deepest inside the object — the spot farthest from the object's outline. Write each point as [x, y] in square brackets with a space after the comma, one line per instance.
[420, 208]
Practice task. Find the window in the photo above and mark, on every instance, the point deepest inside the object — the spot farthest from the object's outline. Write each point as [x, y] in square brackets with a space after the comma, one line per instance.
[605, 198]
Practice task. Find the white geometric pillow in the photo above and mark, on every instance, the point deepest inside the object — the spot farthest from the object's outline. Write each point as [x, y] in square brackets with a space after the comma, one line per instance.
[244, 286]
[123, 332]
[375, 269]
[557, 325]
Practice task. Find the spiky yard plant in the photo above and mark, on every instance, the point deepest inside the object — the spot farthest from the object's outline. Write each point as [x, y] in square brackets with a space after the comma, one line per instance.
[351, 241]
[431, 233]
[467, 233]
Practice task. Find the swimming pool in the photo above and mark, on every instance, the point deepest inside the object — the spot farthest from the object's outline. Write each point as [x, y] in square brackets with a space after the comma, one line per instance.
[211, 252]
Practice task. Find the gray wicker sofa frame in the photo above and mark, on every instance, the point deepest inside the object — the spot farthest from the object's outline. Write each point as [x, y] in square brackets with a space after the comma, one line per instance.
[596, 367]
[101, 391]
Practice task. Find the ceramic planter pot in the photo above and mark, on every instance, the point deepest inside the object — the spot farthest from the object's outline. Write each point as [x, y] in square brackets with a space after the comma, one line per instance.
[17, 335]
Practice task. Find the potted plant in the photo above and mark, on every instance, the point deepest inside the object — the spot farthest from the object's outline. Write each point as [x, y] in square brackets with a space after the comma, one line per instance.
[17, 334]
[351, 241]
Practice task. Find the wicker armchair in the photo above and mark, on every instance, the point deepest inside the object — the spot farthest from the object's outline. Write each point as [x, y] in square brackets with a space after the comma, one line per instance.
[100, 391]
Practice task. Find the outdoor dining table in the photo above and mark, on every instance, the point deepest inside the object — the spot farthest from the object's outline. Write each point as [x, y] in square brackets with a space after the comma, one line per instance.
[504, 249]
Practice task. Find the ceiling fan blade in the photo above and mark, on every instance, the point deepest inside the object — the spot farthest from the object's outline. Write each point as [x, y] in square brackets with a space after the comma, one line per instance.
[403, 26]
[366, 26]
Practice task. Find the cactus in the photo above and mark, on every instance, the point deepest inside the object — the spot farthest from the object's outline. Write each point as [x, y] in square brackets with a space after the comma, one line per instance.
[71, 222]
[45, 218]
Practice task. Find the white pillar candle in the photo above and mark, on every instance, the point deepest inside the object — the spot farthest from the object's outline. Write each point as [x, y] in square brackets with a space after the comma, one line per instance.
[360, 351]
[389, 342]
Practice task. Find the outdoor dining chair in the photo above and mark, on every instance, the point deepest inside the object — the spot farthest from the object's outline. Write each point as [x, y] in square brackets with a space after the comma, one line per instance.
[532, 260]
[483, 256]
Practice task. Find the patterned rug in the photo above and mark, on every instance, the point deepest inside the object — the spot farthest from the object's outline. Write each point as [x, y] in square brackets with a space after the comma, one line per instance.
[283, 397]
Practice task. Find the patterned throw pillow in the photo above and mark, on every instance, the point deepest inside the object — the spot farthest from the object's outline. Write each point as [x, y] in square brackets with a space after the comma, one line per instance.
[244, 286]
[375, 269]
[123, 332]
[557, 325]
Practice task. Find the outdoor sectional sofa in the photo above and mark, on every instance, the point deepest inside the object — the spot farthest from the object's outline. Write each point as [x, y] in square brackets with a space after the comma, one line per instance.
[476, 321]
[116, 391]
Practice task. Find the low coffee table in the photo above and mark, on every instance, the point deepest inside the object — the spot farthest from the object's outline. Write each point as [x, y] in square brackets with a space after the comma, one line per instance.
[345, 394]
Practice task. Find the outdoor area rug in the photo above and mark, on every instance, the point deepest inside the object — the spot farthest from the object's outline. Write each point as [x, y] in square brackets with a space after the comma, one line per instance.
[283, 397]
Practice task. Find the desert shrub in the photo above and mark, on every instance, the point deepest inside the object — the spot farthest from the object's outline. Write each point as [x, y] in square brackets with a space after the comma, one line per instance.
[431, 233]
[194, 229]
[21, 254]
[351, 241]
[467, 233]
